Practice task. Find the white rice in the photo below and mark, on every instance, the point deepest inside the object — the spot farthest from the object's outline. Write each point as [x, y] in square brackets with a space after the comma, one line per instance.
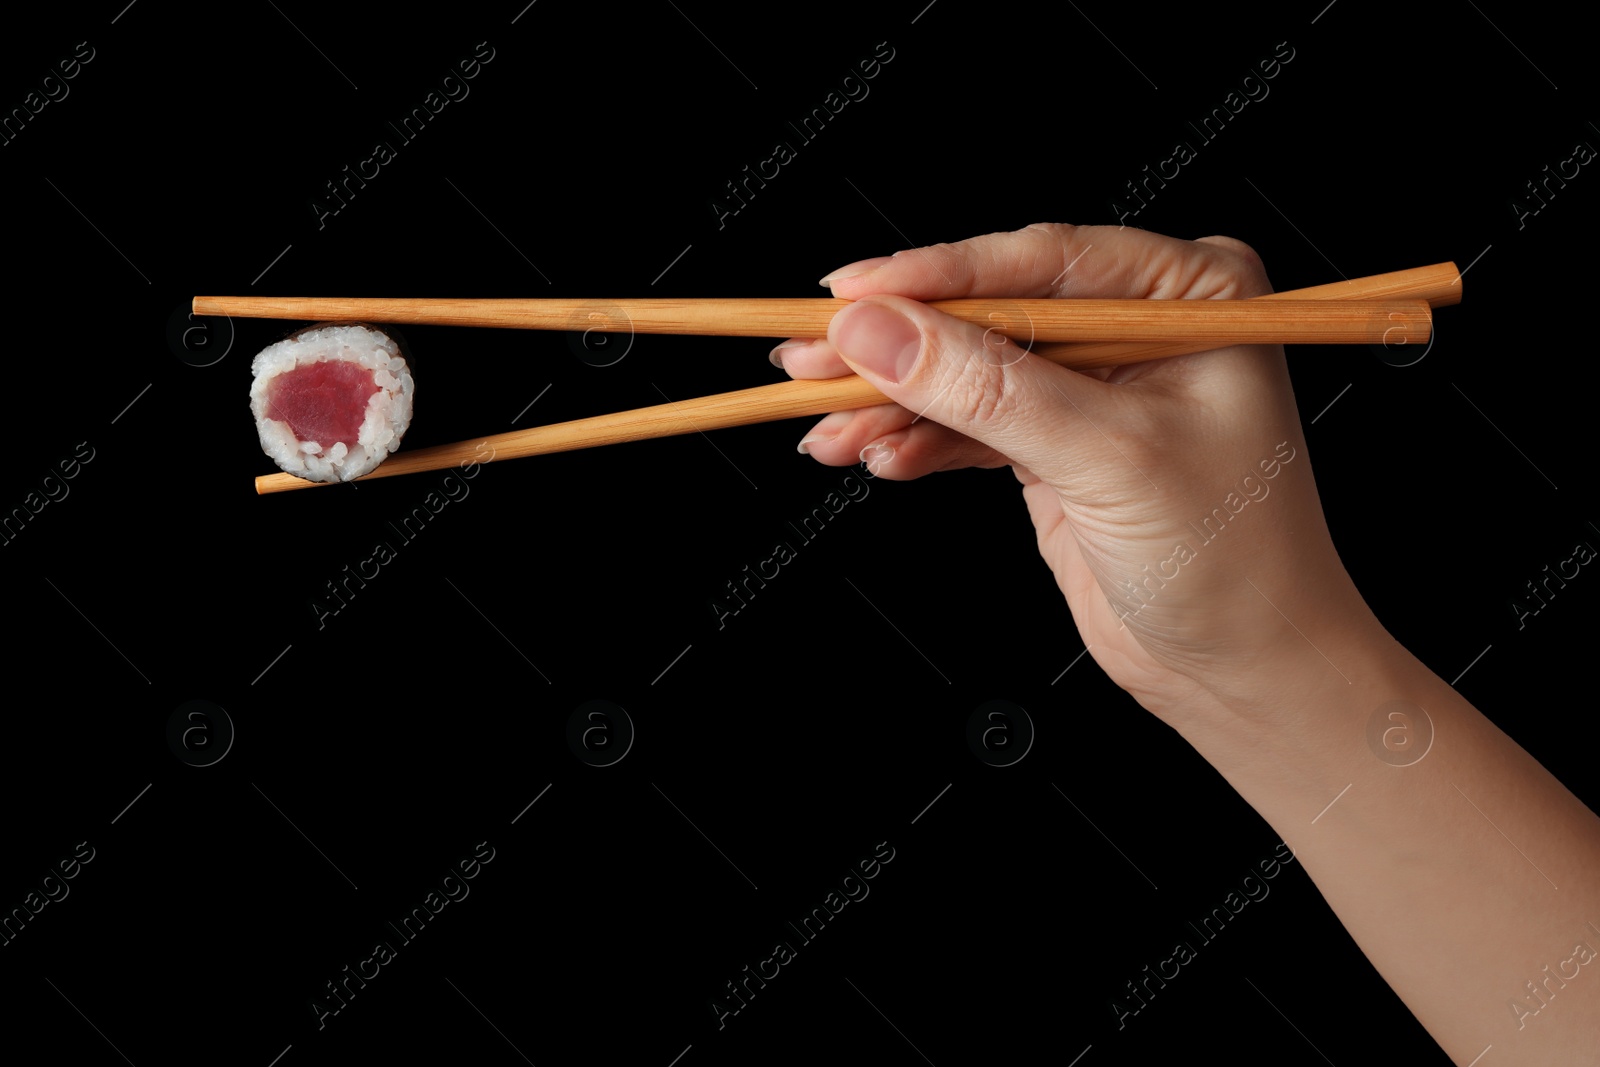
[388, 411]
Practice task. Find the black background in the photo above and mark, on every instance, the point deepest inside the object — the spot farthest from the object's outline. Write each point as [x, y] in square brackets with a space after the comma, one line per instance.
[775, 752]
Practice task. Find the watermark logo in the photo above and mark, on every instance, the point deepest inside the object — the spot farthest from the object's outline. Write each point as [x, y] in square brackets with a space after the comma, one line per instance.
[52, 88]
[1252, 889]
[1000, 733]
[1143, 589]
[742, 589]
[851, 888]
[1542, 590]
[851, 89]
[52, 489]
[451, 888]
[1400, 733]
[1251, 89]
[51, 888]
[199, 340]
[451, 88]
[600, 733]
[453, 488]
[1544, 986]
[200, 733]
[1396, 348]
[601, 336]
[1543, 189]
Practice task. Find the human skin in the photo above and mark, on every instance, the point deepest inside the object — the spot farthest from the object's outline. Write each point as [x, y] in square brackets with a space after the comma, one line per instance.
[1254, 644]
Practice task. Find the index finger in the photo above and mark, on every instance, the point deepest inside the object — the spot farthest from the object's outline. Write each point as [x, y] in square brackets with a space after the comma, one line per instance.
[1058, 260]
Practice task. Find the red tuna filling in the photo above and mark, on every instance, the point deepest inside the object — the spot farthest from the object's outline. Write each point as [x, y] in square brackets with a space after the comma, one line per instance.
[322, 402]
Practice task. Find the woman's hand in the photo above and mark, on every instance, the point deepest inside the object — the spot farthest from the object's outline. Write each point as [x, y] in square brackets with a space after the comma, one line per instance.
[1173, 499]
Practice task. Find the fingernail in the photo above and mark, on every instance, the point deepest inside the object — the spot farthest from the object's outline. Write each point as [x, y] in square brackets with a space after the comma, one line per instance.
[826, 430]
[854, 270]
[876, 457]
[878, 338]
[804, 447]
[777, 353]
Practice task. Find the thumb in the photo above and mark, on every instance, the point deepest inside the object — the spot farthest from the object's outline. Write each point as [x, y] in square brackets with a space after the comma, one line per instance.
[977, 382]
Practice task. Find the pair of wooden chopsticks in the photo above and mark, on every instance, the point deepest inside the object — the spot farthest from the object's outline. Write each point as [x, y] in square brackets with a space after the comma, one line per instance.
[1384, 308]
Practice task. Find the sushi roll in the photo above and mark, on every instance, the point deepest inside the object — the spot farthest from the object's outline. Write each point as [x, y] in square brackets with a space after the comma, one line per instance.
[331, 402]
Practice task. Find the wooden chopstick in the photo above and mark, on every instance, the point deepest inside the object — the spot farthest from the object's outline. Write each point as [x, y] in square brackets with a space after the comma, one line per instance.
[1216, 322]
[1439, 285]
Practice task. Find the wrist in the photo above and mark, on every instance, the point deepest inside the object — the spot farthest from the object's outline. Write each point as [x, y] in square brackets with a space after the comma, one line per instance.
[1326, 662]
[1337, 694]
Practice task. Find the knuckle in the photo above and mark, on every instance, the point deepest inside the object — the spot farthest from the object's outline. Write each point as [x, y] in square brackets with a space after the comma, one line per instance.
[1252, 258]
[953, 262]
[1248, 271]
[1054, 230]
[944, 267]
